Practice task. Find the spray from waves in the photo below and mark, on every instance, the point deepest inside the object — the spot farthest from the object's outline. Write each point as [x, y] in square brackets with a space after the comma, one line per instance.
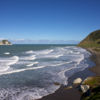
[21, 70]
[13, 60]
[46, 51]
[7, 53]
[4, 67]
[29, 52]
[26, 93]
[9, 61]
[39, 52]
[32, 64]
[80, 59]
[67, 62]
[58, 56]
[31, 57]
[63, 77]
[5, 63]
[34, 94]
[52, 56]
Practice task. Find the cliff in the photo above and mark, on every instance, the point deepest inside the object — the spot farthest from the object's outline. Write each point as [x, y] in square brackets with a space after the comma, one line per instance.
[5, 42]
[92, 40]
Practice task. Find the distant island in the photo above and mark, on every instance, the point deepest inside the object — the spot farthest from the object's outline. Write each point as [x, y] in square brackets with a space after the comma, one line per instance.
[5, 42]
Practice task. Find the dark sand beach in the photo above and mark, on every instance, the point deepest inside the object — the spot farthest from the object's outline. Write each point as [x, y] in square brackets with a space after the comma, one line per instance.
[96, 58]
[64, 93]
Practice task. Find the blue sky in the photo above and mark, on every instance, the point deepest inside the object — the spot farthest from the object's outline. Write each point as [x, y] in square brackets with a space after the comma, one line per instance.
[33, 21]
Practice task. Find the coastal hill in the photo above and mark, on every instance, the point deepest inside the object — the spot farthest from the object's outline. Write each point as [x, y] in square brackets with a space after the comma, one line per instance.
[92, 40]
[5, 42]
[92, 44]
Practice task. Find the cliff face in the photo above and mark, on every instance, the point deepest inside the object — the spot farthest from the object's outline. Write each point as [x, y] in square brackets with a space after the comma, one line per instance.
[92, 40]
[5, 42]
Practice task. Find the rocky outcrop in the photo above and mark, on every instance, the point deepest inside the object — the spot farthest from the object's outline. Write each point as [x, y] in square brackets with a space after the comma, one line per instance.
[77, 81]
[84, 88]
[5, 42]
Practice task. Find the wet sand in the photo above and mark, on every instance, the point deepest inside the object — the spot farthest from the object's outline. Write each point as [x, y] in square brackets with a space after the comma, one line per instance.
[96, 58]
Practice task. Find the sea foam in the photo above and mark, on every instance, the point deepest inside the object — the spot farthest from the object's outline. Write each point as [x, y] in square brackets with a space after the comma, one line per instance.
[7, 53]
[7, 62]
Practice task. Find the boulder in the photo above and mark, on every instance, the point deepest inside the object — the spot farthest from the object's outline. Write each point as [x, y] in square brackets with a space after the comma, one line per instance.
[56, 83]
[77, 81]
[84, 88]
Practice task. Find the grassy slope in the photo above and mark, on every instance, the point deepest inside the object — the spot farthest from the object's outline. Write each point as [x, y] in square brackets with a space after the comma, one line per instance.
[92, 40]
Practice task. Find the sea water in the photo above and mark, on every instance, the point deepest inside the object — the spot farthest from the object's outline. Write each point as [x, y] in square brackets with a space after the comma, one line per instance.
[29, 72]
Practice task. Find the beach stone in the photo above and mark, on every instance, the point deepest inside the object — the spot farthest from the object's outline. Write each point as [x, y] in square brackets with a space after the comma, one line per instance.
[77, 81]
[56, 83]
[84, 88]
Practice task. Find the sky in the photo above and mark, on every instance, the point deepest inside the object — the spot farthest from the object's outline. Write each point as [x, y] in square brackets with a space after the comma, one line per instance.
[48, 21]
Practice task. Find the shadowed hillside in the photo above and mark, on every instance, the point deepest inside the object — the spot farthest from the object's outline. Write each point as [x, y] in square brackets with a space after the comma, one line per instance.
[92, 40]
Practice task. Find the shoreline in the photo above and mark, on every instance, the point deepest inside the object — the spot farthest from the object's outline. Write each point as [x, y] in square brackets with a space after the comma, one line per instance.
[96, 59]
[65, 93]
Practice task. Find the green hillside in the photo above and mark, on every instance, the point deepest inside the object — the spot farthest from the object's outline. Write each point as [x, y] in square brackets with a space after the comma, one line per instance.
[92, 40]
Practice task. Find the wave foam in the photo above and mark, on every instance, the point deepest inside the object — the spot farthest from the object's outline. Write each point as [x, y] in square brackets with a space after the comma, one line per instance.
[13, 60]
[29, 52]
[25, 93]
[40, 52]
[21, 70]
[46, 51]
[32, 57]
[7, 53]
[5, 63]
[4, 68]
[32, 64]
[61, 63]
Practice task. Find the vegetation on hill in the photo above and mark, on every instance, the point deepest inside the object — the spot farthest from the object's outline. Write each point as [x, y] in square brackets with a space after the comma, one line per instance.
[92, 40]
[5, 42]
[94, 83]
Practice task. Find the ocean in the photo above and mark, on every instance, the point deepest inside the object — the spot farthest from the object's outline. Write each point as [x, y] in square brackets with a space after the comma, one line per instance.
[29, 72]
